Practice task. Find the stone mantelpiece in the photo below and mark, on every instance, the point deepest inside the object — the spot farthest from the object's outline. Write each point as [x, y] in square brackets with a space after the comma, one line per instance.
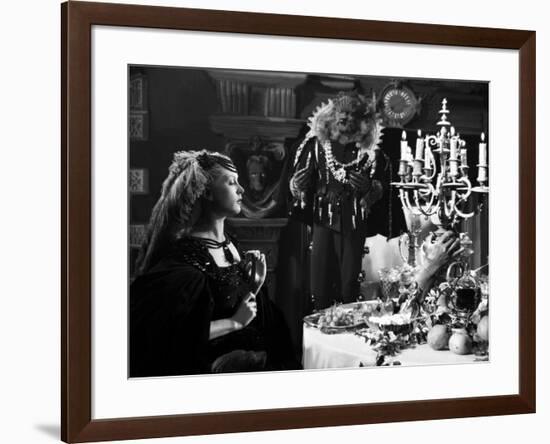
[243, 128]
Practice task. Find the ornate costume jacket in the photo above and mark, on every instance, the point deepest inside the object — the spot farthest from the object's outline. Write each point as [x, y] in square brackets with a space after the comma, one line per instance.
[338, 206]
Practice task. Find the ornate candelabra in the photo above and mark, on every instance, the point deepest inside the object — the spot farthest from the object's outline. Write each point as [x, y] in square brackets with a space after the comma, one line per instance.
[434, 182]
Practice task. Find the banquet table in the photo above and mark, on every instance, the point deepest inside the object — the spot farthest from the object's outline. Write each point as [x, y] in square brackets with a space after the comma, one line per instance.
[341, 350]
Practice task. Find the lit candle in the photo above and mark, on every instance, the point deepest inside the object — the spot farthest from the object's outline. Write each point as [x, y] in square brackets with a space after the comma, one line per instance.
[463, 157]
[419, 146]
[454, 145]
[482, 151]
[409, 163]
[404, 145]
[427, 155]
[453, 168]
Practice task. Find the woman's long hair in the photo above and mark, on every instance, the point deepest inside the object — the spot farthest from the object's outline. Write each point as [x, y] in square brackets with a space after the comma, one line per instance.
[179, 205]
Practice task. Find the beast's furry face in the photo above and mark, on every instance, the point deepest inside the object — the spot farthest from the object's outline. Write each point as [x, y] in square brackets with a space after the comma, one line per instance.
[348, 127]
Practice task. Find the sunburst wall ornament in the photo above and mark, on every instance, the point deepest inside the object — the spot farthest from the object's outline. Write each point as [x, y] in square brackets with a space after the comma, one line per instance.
[398, 104]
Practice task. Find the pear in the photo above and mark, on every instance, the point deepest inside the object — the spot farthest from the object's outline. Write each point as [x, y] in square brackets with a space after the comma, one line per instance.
[460, 343]
[483, 328]
[438, 337]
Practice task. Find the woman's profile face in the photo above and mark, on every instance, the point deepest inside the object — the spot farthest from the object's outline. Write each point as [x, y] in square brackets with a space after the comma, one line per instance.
[226, 193]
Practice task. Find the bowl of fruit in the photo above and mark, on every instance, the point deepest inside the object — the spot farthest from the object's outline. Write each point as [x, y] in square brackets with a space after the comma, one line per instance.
[398, 323]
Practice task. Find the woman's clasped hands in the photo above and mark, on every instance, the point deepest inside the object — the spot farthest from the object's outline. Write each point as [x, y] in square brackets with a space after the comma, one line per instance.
[246, 311]
[257, 269]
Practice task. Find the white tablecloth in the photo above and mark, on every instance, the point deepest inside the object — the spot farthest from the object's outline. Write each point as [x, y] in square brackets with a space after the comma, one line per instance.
[348, 350]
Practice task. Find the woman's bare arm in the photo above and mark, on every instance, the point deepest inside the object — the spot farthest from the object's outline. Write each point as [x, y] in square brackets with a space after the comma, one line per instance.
[221, 327]
[245, 313]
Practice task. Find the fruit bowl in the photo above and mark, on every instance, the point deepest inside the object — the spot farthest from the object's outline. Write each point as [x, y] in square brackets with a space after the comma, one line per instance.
[396, 323]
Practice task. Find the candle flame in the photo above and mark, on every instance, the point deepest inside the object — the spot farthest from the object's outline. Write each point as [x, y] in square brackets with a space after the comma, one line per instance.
[403, 135]
[483, 137]
[419, 133]
[452, 130]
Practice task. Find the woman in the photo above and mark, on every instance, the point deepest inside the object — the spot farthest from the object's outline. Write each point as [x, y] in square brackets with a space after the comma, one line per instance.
[196, 305]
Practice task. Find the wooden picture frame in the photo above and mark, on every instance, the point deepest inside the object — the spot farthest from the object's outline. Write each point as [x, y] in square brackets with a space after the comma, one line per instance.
[77, 18]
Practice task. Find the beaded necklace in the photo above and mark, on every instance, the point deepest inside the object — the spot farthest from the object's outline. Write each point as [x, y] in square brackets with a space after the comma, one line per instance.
[338, 169]
[224, 245]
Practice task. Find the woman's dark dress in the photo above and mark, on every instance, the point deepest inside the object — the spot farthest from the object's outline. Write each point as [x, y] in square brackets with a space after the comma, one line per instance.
[171, 307]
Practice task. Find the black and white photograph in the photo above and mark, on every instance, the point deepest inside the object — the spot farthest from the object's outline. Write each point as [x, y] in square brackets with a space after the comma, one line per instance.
[286, 221]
